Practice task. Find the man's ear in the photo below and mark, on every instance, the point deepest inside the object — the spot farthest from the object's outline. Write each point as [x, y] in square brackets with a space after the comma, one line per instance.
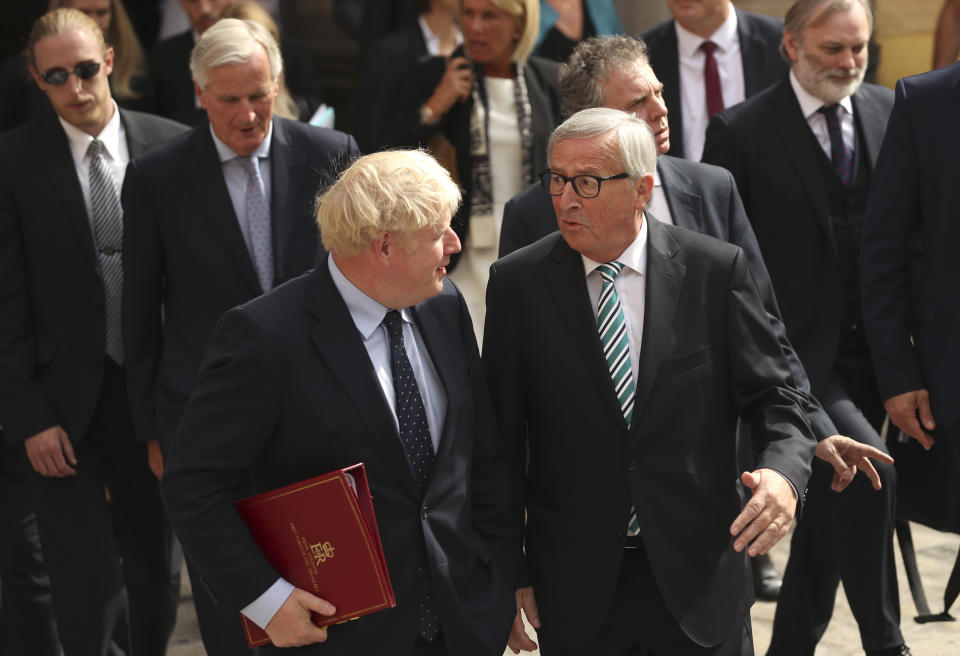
[383, 245]
[108, 61]
[197, 90]
[643, 187]
[792, 45]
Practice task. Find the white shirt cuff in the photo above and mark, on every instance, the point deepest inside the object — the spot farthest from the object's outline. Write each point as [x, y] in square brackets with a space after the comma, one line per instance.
[264, 607]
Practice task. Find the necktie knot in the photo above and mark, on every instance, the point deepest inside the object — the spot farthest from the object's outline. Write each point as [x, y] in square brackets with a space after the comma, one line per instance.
[610, 270]
[831, 113]
[251, 165]
[394, 323]
[96, 148]
[708, 47]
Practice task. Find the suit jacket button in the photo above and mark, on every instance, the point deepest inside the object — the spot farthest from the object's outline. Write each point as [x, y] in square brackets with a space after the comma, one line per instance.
[425, 513]
[631, 464]
[421, 571]
[621, 537]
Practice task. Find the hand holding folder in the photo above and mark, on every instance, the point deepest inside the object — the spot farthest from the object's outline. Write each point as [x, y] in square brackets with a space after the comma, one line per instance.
[321, 535]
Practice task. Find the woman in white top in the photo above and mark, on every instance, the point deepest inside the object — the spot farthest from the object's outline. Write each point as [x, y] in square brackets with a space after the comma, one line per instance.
[497, 106]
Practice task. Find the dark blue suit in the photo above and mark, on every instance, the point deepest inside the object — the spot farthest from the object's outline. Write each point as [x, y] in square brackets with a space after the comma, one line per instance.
[909, 259]
[185, 263]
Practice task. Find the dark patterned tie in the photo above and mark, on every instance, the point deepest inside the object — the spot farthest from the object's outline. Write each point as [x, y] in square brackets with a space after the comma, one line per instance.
[841, 153]
[711, 79]
[108, 235]
[415, 436]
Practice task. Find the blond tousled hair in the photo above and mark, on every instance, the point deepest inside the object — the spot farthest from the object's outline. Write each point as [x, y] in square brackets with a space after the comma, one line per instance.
[395, 191]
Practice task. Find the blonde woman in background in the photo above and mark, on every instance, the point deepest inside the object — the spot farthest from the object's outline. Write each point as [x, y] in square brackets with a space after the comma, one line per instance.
[497, 106]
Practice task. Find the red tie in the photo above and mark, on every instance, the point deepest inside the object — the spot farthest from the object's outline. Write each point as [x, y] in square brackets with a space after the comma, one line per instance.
[711, 77]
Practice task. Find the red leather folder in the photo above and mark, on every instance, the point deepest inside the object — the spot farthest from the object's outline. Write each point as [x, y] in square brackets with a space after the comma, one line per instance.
[321, 535]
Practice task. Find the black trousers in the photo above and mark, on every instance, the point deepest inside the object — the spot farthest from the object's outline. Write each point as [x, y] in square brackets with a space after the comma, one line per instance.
[845, 536]
[640, 624]
[104, 556]
[27, 624]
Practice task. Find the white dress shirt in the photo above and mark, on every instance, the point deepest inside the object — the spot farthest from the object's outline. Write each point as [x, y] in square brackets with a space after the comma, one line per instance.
[114, 139]
[658, 202]
[693, 90]
[810, 106]
[237, 179]
[631, 286]
[368, 315]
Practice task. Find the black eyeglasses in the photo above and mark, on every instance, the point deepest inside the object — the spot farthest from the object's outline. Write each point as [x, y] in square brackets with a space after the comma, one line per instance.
[586, 186]
[59, 76]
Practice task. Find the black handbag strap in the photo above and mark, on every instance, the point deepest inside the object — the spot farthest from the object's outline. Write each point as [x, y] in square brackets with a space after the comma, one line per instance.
[905, 540]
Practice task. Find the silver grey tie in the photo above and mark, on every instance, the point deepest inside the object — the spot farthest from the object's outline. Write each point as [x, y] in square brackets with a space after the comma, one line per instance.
[108, 237]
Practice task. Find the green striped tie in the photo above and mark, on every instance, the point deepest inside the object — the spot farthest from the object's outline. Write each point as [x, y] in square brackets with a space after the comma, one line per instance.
[616, 351]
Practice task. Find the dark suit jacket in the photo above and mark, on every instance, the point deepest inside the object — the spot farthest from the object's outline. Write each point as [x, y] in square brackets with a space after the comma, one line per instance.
[768, 146]
[708, 357]
[405, 128]
[185, 261]
[912, 292]
[390, 64]
[288, 392]
[51, 295]
[172, 84]
[701, 198]
[760, 38]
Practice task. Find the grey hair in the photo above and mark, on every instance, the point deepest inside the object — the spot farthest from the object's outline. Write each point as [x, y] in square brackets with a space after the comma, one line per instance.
[395, 191]
[636, 146]
[232, 41]
[592, 63]
[798, 16]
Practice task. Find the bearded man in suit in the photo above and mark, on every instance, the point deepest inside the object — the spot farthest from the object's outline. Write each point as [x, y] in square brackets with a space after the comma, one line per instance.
[802, 153]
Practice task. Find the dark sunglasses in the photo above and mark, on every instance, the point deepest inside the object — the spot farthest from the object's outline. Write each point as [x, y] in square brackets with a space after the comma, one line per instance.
[59, 76]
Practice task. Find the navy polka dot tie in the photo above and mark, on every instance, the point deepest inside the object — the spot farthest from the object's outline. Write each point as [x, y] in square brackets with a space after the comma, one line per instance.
[414, 430]
[415, 436]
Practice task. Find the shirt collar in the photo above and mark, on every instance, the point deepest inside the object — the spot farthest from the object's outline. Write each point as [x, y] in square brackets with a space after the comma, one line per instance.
[80, 141]
[633, 257]
[226, 153]
[725, 36]
[656, 181]
[431, 40]
[367, 314]
[809, 104]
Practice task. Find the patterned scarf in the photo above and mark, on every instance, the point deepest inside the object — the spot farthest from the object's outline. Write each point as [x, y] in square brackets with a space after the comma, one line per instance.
[481, 199]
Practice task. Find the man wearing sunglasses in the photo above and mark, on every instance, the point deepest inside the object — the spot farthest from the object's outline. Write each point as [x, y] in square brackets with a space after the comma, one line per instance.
[620, 355]
[62, 370]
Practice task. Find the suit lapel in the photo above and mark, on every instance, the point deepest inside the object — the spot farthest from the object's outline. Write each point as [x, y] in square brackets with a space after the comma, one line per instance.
[686, 207]
[64, 182]
[801, 152]
[335, 336]
[668, 70]
[873, 123]
[753, 52]
[440, 348]
[137, 139]
[664, 283]
[205, 173]
[568, 286]
[285, 163]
